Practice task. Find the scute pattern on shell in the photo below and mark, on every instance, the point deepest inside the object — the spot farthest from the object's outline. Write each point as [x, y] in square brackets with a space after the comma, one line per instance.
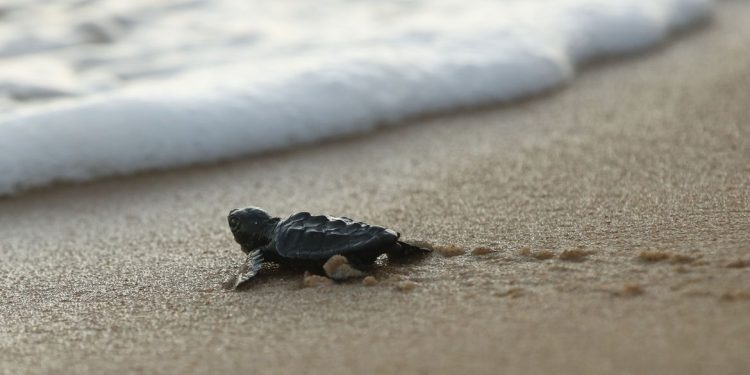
[303, 236]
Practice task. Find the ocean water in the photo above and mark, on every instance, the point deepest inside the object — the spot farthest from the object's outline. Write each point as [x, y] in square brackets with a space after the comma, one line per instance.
[91, 88]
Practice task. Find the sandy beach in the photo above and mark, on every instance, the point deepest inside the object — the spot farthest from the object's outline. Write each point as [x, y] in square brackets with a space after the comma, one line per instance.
[618, 210]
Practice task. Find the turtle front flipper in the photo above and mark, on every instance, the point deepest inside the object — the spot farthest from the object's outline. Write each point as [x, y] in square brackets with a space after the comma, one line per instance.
[253, 264]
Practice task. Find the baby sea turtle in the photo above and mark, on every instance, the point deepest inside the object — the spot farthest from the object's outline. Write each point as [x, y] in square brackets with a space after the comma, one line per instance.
[310, 241]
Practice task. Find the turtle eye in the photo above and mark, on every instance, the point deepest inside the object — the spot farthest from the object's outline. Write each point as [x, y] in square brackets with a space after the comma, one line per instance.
[234, 223]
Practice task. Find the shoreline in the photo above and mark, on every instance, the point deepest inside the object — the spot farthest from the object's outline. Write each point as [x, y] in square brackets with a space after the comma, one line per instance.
[96, 136]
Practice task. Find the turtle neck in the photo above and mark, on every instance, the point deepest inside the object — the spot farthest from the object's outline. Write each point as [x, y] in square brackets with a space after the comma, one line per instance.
[269, 228]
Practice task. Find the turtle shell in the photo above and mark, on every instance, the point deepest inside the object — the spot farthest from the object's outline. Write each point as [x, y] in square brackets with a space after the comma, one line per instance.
[303, 236]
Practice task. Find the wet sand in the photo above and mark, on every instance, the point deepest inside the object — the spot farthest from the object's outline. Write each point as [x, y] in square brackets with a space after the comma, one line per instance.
[618, 211]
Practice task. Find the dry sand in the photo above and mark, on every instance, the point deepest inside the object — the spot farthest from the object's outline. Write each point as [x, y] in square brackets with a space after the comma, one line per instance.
[647, 154]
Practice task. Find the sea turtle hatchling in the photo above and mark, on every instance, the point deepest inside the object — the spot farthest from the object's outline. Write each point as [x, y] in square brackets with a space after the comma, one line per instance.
[308, 240]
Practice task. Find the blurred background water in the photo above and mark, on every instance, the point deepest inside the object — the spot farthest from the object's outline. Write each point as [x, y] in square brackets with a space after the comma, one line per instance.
[100, 87]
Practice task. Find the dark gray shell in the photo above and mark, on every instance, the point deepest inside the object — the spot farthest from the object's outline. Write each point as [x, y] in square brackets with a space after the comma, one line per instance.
[303, 236]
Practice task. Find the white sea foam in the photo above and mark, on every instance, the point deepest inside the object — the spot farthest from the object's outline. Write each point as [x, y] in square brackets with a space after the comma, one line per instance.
[99, 87]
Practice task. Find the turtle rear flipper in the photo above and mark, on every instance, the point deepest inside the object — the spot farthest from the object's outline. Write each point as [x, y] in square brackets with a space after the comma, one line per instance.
[253, 264]
[403, 249]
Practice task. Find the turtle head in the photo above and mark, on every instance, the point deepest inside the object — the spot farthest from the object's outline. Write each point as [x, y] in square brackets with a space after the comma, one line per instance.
[251, 227]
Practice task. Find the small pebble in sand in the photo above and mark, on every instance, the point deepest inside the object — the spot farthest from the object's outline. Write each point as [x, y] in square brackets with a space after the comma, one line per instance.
[312, 281]
[735, 295]
[338, 268]
[450, 250]
[574, 255]
[630, 290]
[369, 281]
[406, 286]
[543, 255]
[481, 250]
[512, 293]
[652, 256]
[739, 263]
